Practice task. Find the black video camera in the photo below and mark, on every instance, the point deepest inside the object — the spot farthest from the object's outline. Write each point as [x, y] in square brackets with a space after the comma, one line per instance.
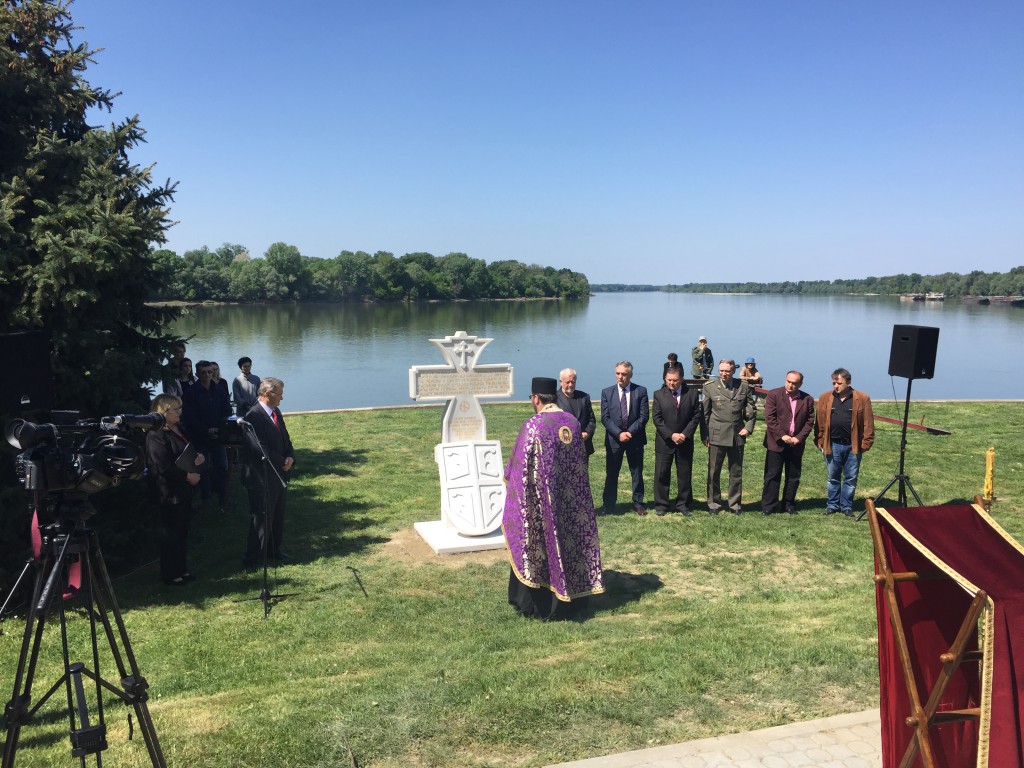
[83, 456]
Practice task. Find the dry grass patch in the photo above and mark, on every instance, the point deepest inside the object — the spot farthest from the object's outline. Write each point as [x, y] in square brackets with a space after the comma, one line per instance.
[406, 546]
[197, 714]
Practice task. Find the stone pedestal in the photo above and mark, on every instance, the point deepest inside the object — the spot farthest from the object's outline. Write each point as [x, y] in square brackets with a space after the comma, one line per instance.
[469, 465]
[447, 541]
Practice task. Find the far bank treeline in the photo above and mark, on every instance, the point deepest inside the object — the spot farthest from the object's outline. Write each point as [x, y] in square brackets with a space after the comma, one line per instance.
[229, 273]
[975, 283]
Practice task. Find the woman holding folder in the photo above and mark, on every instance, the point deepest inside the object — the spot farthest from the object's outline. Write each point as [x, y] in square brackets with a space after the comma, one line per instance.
[172, 471]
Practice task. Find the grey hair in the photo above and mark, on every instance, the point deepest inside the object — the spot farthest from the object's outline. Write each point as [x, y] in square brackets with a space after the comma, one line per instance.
[269, 384]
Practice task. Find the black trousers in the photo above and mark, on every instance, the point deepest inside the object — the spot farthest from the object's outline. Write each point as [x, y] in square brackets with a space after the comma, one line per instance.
[613, 466]
[682, 457]
[174, 520]
[789, 459]
[266, 507]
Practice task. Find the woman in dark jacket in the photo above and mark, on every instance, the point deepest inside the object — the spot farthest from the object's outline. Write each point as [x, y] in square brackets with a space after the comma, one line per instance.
[171, 487]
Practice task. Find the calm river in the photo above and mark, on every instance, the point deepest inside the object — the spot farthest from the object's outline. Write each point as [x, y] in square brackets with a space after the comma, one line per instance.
[344, 356]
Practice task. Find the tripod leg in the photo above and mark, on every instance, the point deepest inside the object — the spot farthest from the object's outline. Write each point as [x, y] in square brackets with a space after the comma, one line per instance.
[134, 687]
[916, 497]
[16, 711]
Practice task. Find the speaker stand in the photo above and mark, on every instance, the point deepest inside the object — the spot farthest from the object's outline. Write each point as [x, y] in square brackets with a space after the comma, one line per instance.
[901, 476]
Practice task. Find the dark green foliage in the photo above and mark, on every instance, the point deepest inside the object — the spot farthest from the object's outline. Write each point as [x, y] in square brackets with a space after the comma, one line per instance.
[284, 274]
[977, 283]
[77, 218]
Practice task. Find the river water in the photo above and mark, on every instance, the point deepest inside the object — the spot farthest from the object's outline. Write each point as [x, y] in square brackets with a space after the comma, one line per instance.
[356, 355]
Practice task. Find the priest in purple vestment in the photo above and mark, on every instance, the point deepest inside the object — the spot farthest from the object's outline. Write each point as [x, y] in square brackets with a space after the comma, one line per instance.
[549, 520]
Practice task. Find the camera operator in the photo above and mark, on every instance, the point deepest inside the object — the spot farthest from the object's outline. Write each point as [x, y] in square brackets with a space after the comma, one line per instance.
[171, 487]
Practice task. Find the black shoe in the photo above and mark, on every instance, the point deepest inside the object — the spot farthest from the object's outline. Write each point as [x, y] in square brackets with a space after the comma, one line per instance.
[790, 509]
[640, 509]
[282, 557]
[685, 511]
[176, 582]
[830, 511]
[250, 566]
[661, 512]
[848, 512]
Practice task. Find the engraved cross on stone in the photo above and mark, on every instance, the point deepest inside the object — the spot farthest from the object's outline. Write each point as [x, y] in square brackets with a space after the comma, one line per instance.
[461, 382]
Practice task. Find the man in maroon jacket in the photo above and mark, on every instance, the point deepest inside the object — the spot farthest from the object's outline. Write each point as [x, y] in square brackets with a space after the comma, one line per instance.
[788, 418]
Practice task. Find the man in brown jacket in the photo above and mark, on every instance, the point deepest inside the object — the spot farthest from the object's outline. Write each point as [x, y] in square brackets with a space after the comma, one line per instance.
[844, 430]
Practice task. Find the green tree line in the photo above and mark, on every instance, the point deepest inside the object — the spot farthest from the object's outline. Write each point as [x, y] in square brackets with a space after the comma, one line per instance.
[229, 273]
[976, 283]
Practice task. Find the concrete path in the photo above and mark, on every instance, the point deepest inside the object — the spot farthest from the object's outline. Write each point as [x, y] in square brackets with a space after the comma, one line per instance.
[844, 741]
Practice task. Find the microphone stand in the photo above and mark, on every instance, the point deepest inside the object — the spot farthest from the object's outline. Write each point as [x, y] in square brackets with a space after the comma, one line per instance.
[265, 596]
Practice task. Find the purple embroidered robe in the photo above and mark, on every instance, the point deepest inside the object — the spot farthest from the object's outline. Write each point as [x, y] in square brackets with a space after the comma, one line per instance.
[549, 520]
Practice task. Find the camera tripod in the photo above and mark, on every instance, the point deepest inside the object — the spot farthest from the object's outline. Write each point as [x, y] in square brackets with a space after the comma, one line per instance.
[60, 542]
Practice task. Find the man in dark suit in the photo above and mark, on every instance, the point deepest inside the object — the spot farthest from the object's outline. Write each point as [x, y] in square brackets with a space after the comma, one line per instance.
[676, 414]
[624, 413]
[265, 480]
[577, 402]
[788, 418]
[205, 406]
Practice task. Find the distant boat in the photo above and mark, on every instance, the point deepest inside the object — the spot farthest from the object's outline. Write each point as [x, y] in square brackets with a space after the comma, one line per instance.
[982, 300]
[1016, 301]
[935, 297]
[911, 297]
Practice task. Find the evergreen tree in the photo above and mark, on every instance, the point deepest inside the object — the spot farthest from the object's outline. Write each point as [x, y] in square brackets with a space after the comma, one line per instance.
[77, 217]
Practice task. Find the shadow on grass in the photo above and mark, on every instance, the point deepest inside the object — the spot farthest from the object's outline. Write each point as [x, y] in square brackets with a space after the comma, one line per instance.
[622, 588]
[329, 461]
[30, 736]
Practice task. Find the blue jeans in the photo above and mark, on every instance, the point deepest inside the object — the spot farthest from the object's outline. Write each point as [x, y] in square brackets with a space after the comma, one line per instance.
[843, 467]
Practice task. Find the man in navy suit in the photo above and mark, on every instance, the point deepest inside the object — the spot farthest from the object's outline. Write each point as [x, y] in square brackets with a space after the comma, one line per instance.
[265, 480]
[676, 417]
[624, 413]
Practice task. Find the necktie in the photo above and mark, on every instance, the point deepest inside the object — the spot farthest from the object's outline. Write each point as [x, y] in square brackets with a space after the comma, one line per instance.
[273, 415]
[675, 395]
[623, 409]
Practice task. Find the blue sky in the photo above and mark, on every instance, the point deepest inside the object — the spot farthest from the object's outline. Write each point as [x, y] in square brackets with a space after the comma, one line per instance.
[655, 142]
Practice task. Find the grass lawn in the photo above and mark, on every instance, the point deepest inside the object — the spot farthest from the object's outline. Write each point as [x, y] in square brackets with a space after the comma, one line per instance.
[710, 624]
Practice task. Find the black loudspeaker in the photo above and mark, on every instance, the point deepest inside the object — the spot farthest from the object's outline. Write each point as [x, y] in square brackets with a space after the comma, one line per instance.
[913, 351]
[27, 383]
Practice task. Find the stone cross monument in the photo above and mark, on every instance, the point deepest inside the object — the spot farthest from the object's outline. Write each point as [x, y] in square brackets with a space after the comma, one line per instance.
[470, 465]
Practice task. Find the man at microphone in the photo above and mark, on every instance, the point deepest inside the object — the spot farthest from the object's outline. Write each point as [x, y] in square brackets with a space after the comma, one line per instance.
[265, 432]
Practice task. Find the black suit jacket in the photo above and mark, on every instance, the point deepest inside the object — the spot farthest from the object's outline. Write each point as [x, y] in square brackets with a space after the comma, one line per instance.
[276, 442]
[668, 420]
[639, 412]
[579, 405]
